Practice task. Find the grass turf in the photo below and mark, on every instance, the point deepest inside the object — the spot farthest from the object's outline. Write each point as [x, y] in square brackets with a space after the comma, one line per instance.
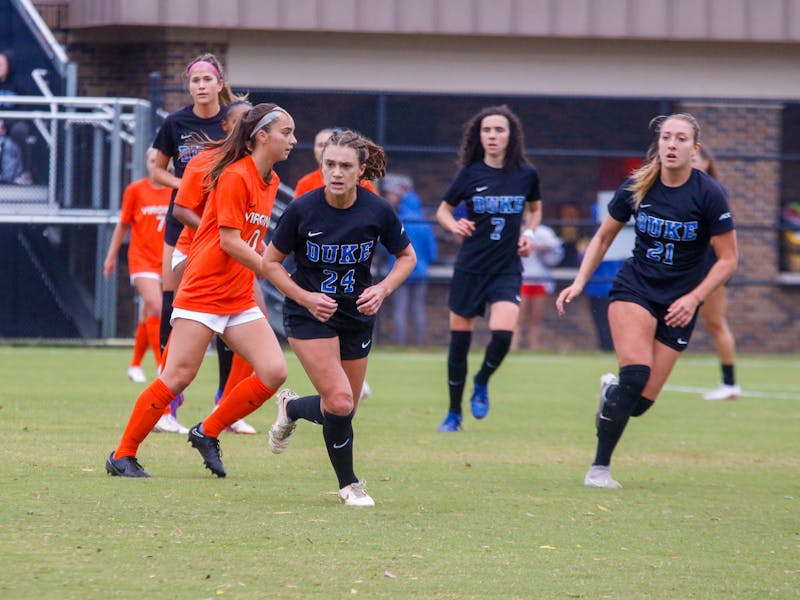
[710, 507]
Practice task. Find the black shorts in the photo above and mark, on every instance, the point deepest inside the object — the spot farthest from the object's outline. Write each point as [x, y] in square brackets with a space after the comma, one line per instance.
[471, 292]
[172, 230]
[676, 338]
[353, 343]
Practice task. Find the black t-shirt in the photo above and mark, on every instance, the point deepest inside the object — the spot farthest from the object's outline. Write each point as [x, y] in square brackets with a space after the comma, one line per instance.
[495, 200]
[333, 248]
[673, 229]
[177, 135]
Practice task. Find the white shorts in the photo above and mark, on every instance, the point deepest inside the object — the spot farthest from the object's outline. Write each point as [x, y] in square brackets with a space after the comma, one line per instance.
[146, 275]
[177, 258]
[217, 323]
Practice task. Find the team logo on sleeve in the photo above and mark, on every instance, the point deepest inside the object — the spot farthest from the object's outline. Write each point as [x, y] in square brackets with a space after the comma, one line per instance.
[724, 216]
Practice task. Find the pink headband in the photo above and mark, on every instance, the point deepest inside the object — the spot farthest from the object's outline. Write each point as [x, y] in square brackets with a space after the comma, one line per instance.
[204, 64]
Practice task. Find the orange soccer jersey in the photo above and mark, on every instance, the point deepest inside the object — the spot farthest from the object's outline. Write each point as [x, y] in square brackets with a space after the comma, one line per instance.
[313, 180]
[214, 282]
[144, 208]
[191, 193]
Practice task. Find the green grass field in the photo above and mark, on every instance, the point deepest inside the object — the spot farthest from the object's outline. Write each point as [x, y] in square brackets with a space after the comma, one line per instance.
[710, 507]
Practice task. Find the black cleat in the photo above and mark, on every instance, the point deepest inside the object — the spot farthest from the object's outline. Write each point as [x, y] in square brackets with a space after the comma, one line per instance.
[208, 447]
[127, 466]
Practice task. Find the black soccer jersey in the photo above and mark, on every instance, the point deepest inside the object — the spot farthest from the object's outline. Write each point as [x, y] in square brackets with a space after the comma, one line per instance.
[333, 248]
[673, 229]
[495, 200]
[178, 134]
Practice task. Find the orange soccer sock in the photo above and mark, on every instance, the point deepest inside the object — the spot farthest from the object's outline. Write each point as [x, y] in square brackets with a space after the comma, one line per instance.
[243, 399]
[240, 370]
[139, 344]
[163, 363]
[153, 325]
[146, 412]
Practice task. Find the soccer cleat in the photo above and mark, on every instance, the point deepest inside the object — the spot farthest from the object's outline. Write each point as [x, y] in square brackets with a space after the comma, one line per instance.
[452, 422]
[479, 402]
[366, 391]
[724, 392]
[606, 381]
[242, 427]
[169, 424]
[354, 495]
[281, 431]
[599, 476]
[127, 466]
[136, 374]
[208, 447]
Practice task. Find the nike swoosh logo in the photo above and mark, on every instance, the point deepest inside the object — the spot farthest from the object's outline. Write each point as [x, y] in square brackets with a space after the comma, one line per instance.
[342, 445]
[481, 188]
[186, 136]
[314, 233]
[365, 344]
[682, 341]
[645, 205]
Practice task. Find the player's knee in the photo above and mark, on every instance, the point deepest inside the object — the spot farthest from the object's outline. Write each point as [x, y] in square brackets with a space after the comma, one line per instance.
[338, 402]
[622, 401]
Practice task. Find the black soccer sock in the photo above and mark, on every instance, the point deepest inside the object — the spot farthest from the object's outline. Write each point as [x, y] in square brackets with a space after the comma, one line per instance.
[642, 406]
[728, 377]
[457, 367]
[307, 408]
[166, 312]
[338, 434]
[496, 351]
[621, 400]
[225, 360]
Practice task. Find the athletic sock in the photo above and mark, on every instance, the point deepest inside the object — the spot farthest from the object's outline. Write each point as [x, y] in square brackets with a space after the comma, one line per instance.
[239, 371]
[642, 406]
[153, 326]
[166, 313]
[728, 377]
[338, 434]
[147, 410]
[621, 399]
[307, 408]
[139, 344]
[496, 351]
[225, 359]
[457, 367]
[245, 398]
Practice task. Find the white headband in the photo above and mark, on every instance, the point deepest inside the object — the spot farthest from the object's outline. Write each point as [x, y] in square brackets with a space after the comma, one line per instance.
[267, 119]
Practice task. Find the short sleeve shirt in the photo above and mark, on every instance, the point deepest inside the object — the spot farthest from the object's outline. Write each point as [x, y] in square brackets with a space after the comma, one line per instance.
[144, 208]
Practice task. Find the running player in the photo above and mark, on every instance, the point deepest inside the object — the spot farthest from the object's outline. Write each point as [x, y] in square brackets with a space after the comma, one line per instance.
[216, 294]
[331, 303]
[679, 213]
[144, 209]
[500, 189]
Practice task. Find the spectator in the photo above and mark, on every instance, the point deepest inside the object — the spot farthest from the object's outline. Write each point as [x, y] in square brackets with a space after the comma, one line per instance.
[18, 131]
[12, 169]
[399, 191]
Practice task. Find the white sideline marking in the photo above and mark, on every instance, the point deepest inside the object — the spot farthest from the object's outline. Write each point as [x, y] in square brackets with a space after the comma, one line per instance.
[745, 393]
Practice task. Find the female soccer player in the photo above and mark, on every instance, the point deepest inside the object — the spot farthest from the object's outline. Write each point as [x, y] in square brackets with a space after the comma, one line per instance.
[216, 293]
[178, 140]
[331, 303]
[679, 213]
[713, 310]
[144, 208]
[501, 191]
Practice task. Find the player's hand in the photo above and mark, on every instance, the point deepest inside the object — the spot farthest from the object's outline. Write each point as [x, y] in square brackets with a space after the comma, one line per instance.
[108, 266]
[370, 300]
[566, 296]
[681, 312]
[464, 228]
[524, 246]
[320, 306]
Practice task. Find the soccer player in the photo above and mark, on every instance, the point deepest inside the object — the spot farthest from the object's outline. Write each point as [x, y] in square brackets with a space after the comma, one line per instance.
[679, 213]
[331, 303]
[500, 189]
[178, 140]
[216, 293]
[713, 310]
[144, 209]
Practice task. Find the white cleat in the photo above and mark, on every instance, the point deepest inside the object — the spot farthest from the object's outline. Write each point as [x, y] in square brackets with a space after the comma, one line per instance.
[354, 495]
[282, 429]
[724, 392]
[169, 424]
[599, 476]
[241, 427]
[606, 381]
[136, 375]
[366, 391]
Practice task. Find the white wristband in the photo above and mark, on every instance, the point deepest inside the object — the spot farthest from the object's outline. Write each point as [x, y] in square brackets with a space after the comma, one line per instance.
[528, 233]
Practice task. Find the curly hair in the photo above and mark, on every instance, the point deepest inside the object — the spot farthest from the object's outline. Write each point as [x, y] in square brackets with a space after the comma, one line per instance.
[369, 153]
[472, 149]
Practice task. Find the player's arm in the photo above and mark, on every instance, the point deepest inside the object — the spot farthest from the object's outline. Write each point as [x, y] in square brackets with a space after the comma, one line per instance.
[161, 173]
[231, 242]
[110, 263]
[186, 216]
[531, 218]
[444, 215]
[370, 300]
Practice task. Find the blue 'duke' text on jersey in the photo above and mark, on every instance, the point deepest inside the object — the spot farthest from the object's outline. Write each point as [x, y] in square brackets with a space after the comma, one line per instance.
[504, 205]
[343, 254]
[669, 231]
